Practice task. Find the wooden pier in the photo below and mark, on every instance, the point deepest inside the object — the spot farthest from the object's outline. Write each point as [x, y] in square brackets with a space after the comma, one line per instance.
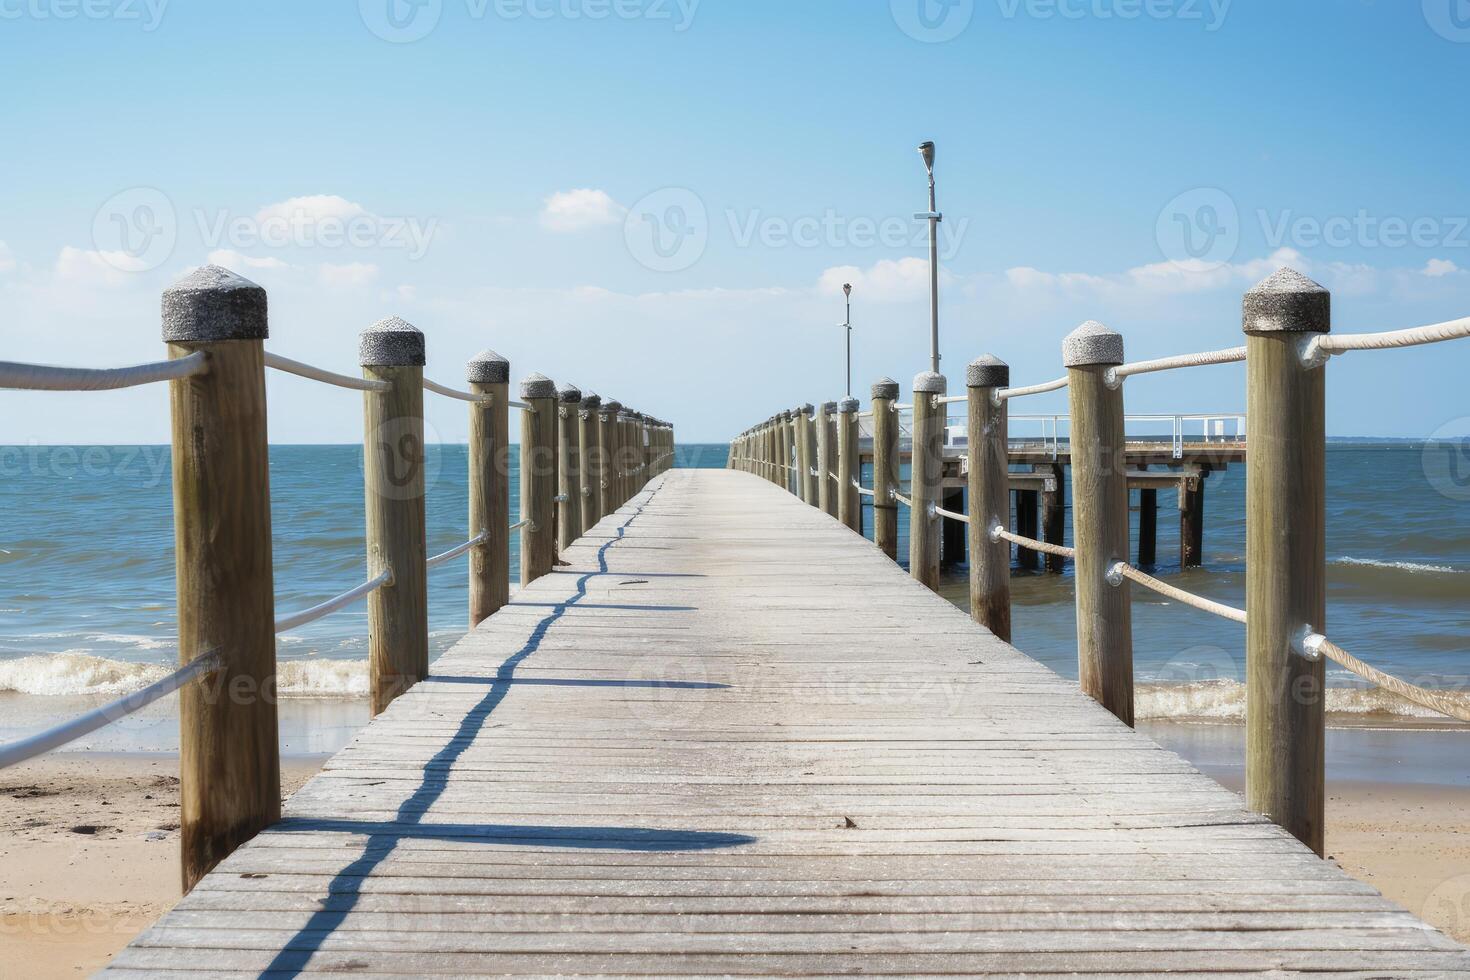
[731, 737]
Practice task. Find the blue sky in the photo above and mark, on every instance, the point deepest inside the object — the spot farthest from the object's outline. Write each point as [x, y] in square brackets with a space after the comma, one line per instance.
[497, 181]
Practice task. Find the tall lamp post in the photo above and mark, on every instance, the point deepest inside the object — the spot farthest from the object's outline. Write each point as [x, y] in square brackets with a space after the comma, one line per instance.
[847, 324]
[926, 150]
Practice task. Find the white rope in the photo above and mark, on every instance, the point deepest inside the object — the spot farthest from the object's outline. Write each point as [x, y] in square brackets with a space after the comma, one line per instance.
[455, 552]
[1231, 356]
[1315, 645]
[288, 366]
[902, 408]
[464, 396]
[70, 731]
[526, 523]
[833, 477]
[865, 493]
[1122, 570]
[903, 500]
[962, 518]
[332, 605]
[1328, 344]
[1007, 393]
[999, 533]
[521, 405]
[41, 377]
[952, 399]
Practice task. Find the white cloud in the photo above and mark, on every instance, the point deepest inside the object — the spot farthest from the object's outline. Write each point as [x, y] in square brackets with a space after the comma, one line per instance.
[7, 258]
[1435, 269]
[347, 275]
[87, 267]
[884, 281]
[310, 209]
[402, 294]
[1158, 278]
[234, 261]
[578, 210]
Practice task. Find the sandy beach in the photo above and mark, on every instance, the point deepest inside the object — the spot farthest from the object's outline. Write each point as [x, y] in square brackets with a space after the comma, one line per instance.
[89, 852]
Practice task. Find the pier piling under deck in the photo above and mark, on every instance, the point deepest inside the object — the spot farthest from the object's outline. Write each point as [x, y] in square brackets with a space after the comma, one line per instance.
[733, 737]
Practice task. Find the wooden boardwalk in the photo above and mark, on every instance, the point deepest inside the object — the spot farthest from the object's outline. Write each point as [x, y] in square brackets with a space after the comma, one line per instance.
[732, 738]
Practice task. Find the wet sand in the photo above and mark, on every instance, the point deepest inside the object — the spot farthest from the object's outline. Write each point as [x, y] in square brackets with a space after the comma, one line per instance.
[89, 851]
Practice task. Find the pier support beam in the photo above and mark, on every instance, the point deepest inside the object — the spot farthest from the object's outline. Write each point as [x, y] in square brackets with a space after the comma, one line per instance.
[1054, 515]
[990, 495]
[885, 467]
[1148, 525]
[393, 467]
[229, 755]
[489, 464]
[1100, 518]
[1192, 519]
[538, 477]
[926, 478]
[1285, 558]
[1027, 527]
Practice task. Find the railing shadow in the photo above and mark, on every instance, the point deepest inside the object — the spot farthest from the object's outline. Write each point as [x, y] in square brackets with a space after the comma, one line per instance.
[383, 837]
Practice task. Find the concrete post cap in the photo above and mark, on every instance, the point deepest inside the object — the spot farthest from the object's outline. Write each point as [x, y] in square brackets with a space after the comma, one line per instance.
[391, 342]
[569, 394]
[487, 368]
[987, 371]
[591, 400]
[212, 304]
[847, 406]
[537, 386]
[930, 383]
[1287, 302]
[808, 409]
[1092, 344]
[828, 408]
[885, 387]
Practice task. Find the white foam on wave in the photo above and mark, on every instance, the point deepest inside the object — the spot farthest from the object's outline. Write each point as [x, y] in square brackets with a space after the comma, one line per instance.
[1224, 700]
[76, 673]
[1403, 566]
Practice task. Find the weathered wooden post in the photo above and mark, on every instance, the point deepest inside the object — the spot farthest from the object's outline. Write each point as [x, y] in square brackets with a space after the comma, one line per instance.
[607, 440]
[1192, 519]
[394, 454]
[627, 475]
[589, 463]
[885, 467]
[800, 424]
[568, 467]
[990, 497]
[926, 478]
[826, 458]
[1285, 557]
[793, 445]
[538, 477]
[783, 449]
[489, 374]
[1100, 518]
[229, 759]
[849, 501]
[808, 433]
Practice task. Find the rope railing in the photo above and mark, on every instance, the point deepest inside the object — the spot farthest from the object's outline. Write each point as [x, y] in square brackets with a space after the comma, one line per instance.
[1122, 570]
[519, 525]
[903, 500]
[999, 533]
[1202, 359]
[1323, 346]
[324, 609]
[1006, 394]
[43, 377]
[303, 370]
[951, 515]
[448, 392]
[85, 724]
[457, 550]
[1315, 645]
[864, 491]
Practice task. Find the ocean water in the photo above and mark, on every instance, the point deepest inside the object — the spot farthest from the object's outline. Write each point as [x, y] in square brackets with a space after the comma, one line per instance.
[87, 588]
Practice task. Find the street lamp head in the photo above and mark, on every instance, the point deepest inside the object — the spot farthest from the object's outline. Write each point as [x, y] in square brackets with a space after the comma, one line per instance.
[847, 289]
[926, 150]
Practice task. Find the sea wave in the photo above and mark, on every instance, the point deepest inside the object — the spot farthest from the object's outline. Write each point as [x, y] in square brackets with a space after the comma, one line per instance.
[1402, 566]
[1224, 700]
[75, 673]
